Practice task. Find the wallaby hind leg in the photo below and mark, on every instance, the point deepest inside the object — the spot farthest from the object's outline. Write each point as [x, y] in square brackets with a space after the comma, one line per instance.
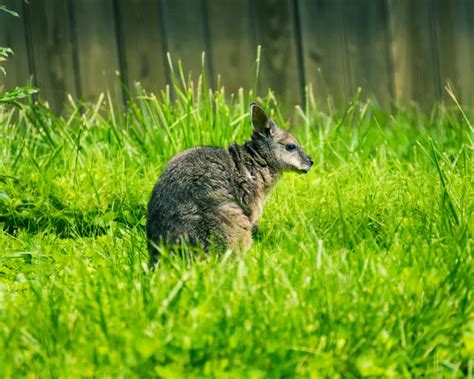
[236, 227]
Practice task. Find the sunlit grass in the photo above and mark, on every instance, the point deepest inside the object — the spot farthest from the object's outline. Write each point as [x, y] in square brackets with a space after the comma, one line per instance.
[362, 267]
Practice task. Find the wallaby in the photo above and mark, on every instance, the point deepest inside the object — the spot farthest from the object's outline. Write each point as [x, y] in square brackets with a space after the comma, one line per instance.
[214, 196]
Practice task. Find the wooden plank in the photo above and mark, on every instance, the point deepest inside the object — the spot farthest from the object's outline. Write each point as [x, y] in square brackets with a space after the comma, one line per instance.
[50, 38]
[12, 35]
[275, 32]
[414, 50]
[324, 52]
[445, 28]
[233, 53]
[367, 45]
[465, 50]
[185, 25]
[97, 48]
[455, 37]
[143, 44]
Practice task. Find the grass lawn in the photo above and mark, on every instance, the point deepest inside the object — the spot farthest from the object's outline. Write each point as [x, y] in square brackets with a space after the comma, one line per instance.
[363, 267]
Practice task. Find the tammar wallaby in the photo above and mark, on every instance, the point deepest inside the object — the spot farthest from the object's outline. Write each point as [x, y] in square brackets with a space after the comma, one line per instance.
[214, 196]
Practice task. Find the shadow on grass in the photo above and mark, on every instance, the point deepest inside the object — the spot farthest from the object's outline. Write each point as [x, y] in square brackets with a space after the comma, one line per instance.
[67, 223]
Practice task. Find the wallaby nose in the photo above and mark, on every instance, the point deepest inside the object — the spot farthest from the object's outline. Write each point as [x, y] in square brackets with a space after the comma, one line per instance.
[310, 160]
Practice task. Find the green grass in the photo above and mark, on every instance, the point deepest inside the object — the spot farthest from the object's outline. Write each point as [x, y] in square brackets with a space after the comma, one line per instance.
[363, 267]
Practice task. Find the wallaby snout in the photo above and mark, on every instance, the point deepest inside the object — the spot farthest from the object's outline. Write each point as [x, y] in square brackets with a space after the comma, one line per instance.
[307, 163]
[215, 196]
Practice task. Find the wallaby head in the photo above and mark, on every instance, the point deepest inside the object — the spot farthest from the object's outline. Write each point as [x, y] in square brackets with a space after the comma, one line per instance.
[279, 148]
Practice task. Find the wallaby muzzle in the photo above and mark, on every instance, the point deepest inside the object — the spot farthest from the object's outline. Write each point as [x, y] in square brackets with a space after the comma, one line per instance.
[308, 162]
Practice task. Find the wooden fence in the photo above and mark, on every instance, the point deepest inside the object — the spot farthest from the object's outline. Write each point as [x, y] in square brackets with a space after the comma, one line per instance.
[403, 50]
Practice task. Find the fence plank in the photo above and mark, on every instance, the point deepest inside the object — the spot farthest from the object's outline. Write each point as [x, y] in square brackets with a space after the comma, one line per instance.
[274, 27]
[325, 58]
[12, 35]
[455, 37]
[50, 38]
[367, 39]
[446, 33]
[231, 44]
[143, 44]
[415, 54]
[185, 25]
[465, 50]
[97, 47]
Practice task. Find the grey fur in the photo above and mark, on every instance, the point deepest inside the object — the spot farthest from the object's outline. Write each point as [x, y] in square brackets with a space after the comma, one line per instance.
[214, 195]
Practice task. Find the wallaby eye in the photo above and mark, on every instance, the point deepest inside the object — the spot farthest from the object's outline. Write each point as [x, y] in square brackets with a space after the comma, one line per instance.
[290, 147]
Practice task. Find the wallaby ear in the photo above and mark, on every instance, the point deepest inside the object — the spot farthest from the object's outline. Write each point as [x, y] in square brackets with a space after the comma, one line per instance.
[260, 120]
